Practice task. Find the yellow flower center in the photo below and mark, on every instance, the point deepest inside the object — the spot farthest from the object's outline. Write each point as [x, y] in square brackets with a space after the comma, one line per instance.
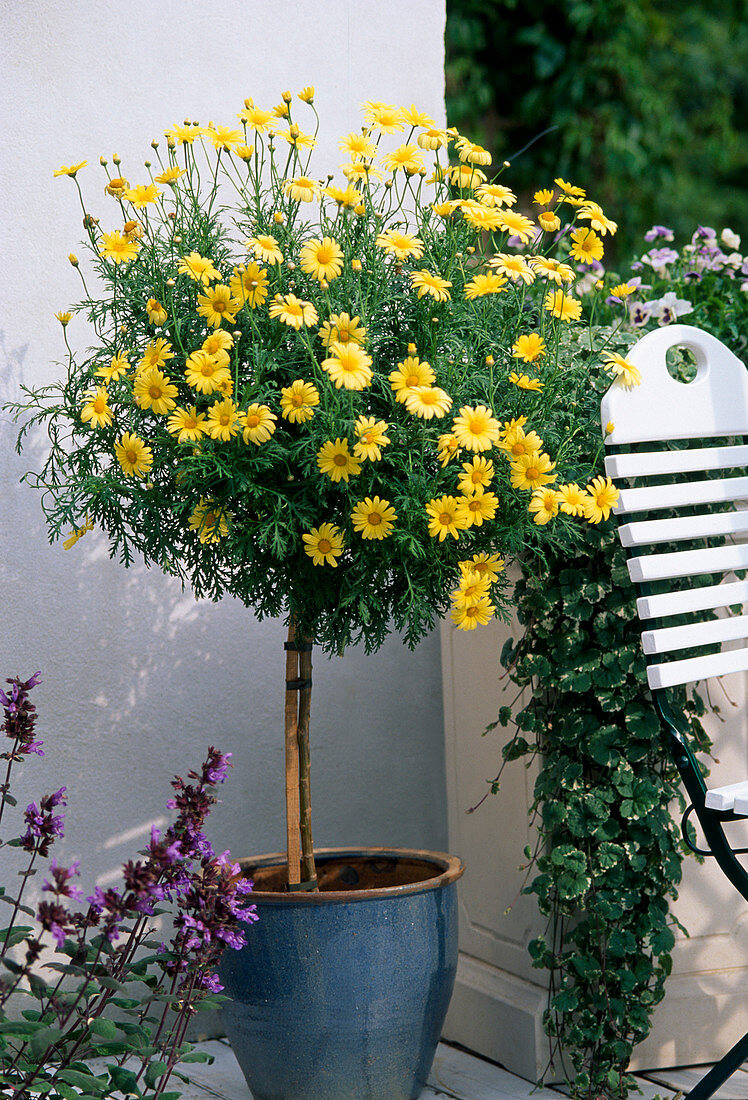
[253, 420]
[155, 391]
[532, 473]
[471, 612]
[477, 425]
[190, 422]
[474, 505]
[224, 419]
[340, 460]
[207, 369]
[445, 519]
[476, 477]
[412, 381]
[219, 305]
[324, 546]
[374, 518]
[99, 404]
[518, 448]
[480, 567]
[297, 400]
[131, 456]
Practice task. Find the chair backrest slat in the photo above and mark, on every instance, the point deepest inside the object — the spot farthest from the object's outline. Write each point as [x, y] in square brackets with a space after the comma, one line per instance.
[669, 638]
[697, 668]
[682, 528]
[682, 494]
[664, 604]
[650, 463]
[687, 563]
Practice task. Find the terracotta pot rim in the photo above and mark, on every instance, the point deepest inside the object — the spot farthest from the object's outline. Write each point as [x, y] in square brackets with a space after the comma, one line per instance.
[452, 869]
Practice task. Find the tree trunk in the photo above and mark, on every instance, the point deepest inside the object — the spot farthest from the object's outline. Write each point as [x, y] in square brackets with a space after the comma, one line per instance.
[300, 848]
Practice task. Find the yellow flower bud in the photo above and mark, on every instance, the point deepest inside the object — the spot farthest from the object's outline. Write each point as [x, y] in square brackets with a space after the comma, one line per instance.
[154, 144]
[490, 360]
[359, 209]
[63, 318]
[279, 217]
[286, 97]
[171, 282]
[355, 265]
[412, 349]
[116, 159]
[609, 427]
[103, 161]
[73, 259]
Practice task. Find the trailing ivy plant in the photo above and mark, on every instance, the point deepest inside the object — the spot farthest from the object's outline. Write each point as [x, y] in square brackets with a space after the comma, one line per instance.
[608, 855]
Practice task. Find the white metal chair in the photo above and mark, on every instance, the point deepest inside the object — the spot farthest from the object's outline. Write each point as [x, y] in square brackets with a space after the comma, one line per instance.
[678, 452]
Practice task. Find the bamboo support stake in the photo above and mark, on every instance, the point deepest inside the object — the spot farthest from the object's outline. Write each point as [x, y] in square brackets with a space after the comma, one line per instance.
[293, 835]
[305, 796]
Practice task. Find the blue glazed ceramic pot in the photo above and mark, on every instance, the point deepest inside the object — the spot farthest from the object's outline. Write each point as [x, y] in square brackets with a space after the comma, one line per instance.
[342, 994]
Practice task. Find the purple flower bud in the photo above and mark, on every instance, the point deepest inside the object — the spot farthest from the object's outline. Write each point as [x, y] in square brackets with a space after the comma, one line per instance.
[659, 231]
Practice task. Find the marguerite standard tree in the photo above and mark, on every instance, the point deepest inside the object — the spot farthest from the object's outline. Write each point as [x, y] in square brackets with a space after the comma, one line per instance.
[343, 401]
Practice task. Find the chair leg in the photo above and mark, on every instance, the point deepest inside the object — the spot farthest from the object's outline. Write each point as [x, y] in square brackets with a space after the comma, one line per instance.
[720, 1072]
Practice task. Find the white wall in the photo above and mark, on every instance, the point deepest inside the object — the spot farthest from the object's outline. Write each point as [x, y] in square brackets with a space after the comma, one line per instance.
[139, 677]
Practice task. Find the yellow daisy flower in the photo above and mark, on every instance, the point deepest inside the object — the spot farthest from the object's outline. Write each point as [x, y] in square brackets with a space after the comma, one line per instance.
[485, 565]
[204, 374]
[515, 268]
[156, 354]
[444, 517]
[373, 518]
[323, 259]
[335, 460]
[64, 318]
[341, 329]
[347, 197]
[406, 158]
[477, 474]
[141, 195]
[209, 520]
[517, 225]
[156, 312]
[409, 375]
[358, 145]
[591, 212]
[265, 248]
[119, 365]
[400, 245]
[348, 365]
[562, 306]
[447, 448]
[433, 138]
[96, 410]
[116, 187]
[117, 248]
[384, 117]
[371, 436]
[186, 424]
[477, 614]
[517, 442]
[223, 420]
[292, 311]
[302, 189]
[257, 119]
[474, 509]
[249, 285]
[622, 290]
[259, 424]
[530, 472]
[626, 374]
[544, 197]
[586, 246]
[200, 268]
[548, 221]
[324, 544]
[218, 345]
[529, 347]
[569, 188]
[473, 587]
[70, 169]
[488, 283]
[571, 499]
[524, 382]
[495, 194]
[476, 428]
[298, 401]
[133, 455]
[428, 402]
[465, 176]
[76, 534]
[543, 505]
[217, 305]
[601, 496]
[434, 285]
[170, 175]
[414, 117]
[154, 390]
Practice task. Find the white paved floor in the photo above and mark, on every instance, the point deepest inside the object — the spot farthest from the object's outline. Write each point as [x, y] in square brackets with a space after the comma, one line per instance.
[456, 1075]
